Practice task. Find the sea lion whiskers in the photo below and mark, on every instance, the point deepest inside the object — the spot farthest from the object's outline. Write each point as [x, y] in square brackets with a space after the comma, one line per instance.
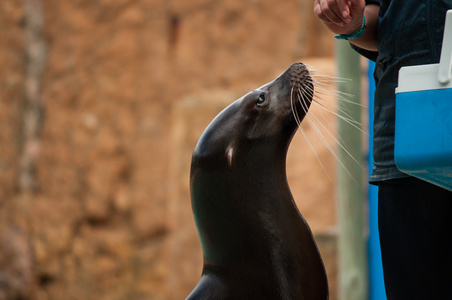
[327, 85]
[329, 90]
[312, 118]
[297, 119]
[320, 99]
[319, 134]
[324, 89]
[312, 121]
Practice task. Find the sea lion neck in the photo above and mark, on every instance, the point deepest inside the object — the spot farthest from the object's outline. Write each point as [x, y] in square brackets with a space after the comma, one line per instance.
[223, 218]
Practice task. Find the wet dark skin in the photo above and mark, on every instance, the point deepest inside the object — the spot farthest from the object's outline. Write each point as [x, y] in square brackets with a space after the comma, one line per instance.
[255, 242]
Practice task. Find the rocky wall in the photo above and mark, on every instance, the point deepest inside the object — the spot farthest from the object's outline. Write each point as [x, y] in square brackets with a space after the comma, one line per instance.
[95, 143]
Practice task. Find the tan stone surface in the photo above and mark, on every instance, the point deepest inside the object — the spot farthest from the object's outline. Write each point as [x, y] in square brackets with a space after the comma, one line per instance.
[127, 89]
[11, 93]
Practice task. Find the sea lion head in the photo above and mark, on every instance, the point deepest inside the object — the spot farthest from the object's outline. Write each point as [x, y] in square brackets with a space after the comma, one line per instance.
[265, 119]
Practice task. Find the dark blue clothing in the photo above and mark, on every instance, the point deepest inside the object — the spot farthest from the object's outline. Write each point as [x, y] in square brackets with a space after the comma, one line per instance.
[414, 216]
[416, 239]
[408, 33]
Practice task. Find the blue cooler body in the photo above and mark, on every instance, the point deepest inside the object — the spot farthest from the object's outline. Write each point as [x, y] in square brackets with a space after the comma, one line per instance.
[423, 125]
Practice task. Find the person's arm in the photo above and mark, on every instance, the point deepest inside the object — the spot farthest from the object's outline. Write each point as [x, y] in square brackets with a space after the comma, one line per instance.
[346, 16]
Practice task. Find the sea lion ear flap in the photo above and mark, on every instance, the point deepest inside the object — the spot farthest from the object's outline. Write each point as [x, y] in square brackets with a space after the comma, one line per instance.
[230, 155]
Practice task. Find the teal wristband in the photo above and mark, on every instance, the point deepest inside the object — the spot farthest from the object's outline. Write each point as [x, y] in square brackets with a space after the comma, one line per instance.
[354, 35]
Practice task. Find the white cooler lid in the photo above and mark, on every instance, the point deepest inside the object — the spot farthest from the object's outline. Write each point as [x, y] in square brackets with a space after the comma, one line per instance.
[433, 76]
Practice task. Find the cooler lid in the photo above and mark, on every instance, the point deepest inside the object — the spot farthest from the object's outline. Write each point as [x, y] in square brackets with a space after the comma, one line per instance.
[433, 76]
[420, 78]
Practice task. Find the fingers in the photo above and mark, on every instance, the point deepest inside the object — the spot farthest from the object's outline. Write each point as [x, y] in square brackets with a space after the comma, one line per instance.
[333, 11]
[344, 8]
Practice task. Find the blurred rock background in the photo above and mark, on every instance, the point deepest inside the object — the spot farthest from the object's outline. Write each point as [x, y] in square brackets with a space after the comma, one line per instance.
[101, 103]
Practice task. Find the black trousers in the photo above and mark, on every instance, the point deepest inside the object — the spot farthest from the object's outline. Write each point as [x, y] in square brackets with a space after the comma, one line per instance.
[415, 224]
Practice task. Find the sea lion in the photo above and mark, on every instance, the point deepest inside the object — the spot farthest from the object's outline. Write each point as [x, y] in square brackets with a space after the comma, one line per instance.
[255, 242]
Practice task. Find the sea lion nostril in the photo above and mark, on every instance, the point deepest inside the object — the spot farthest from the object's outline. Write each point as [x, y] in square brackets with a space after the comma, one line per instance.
[297, 68]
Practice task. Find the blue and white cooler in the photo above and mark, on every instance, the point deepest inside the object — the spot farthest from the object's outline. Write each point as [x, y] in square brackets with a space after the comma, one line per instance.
[423, 122]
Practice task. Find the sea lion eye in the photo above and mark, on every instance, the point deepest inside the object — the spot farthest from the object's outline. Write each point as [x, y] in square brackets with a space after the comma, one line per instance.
[261, 100]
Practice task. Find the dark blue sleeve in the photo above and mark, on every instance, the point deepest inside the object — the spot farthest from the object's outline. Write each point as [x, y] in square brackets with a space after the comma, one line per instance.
[372, 55]
[377, 2]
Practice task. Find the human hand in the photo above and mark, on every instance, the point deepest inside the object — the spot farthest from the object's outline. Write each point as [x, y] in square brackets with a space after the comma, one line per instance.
[340, 16]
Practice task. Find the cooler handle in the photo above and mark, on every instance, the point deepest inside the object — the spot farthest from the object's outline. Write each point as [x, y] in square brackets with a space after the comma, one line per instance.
[445, 62]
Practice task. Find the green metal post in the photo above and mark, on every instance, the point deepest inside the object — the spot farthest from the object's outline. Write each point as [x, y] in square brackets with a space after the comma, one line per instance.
[353, 283]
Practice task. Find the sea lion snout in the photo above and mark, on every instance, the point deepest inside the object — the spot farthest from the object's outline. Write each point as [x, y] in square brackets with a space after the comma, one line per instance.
[300, 83]
[299, 75]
